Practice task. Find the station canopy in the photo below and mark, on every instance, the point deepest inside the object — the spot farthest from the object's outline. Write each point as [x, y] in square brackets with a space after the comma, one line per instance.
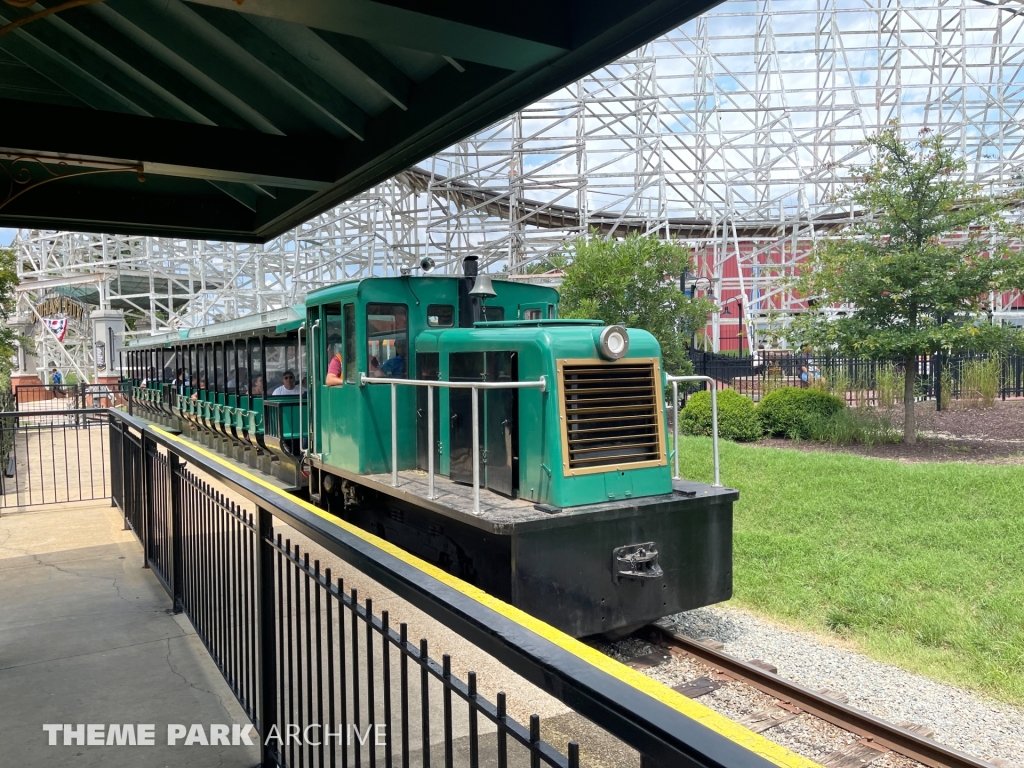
[240, 119]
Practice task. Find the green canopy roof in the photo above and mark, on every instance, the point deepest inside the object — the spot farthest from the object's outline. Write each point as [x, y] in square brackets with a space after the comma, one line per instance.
[237, 121]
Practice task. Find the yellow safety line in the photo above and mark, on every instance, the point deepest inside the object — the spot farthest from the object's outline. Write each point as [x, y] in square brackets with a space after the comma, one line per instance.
[694, 710]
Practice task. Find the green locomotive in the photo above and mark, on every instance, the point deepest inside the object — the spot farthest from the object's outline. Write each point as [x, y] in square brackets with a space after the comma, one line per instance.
[465, 422]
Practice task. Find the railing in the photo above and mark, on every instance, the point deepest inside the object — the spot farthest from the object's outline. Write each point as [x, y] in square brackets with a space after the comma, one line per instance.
[299, 650]
[540, 384]
[861, 381]
[49, 397]
[53, 457]
[675, 381]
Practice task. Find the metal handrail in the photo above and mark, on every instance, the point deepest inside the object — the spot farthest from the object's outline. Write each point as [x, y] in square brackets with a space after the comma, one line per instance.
[541, 384]
[675, 380]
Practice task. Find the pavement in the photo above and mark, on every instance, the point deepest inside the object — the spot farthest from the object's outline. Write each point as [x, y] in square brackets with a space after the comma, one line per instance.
[87, 636]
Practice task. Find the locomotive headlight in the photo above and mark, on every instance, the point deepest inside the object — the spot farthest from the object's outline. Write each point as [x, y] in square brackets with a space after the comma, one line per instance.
[613, 342]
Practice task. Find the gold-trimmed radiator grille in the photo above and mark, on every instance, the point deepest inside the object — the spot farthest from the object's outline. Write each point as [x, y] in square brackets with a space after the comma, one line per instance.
[611, 414]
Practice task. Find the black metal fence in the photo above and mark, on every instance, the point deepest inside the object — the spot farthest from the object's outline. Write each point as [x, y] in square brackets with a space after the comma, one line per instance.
[861, 381]
[51, 457]
[51, 397]
[304, 655]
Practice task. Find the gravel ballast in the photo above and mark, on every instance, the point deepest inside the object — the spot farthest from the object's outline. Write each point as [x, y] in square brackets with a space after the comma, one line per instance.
[979, 727]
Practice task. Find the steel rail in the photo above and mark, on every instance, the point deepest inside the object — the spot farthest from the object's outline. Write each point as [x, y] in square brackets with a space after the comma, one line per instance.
[899, 740]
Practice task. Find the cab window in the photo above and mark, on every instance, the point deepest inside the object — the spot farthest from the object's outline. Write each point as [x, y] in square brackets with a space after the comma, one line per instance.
[493, 314]
[387, 340]
[350, 343]
[332, 338]
[440, 315]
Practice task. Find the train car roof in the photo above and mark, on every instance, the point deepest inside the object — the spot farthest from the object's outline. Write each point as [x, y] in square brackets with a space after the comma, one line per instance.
[352, 288]
[276, 321]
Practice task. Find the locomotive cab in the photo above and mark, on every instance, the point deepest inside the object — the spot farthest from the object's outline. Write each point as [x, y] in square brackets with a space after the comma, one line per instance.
[557, 496]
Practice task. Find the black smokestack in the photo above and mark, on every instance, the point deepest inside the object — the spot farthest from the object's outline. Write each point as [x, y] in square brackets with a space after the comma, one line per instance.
[469, 306]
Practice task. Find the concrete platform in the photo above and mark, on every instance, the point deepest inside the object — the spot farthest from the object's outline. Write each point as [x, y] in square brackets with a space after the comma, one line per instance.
[86, 636]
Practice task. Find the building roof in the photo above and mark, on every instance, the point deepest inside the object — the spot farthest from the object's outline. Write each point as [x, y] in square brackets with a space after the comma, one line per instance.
[216, 119]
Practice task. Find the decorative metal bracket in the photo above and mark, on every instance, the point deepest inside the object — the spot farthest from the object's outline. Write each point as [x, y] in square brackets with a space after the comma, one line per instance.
[21, 173]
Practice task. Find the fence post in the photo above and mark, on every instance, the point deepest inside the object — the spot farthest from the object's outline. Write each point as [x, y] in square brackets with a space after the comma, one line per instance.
[124, 473]
[174, 512]
[267, 710]
[112, 423]
[937, 379]
[144, 502]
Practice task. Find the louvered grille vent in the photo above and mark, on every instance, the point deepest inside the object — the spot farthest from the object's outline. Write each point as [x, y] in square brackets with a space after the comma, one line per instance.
[611, 414]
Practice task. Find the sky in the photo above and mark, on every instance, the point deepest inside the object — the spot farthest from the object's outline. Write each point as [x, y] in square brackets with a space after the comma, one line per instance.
[7, 235]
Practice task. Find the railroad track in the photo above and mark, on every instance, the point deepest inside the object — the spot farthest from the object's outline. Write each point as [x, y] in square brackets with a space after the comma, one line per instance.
[877, 736]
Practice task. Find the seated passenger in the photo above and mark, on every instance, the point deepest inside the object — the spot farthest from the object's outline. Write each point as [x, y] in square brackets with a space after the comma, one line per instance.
[288, 385]
[202, 387]
[257, 386]
[335, 369]
[394, 367]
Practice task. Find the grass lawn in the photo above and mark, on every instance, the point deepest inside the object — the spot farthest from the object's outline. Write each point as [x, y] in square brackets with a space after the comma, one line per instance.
[921, 565]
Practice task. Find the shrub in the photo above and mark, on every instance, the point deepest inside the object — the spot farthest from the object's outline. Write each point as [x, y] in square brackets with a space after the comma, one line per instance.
[737, 416]
[797, 413]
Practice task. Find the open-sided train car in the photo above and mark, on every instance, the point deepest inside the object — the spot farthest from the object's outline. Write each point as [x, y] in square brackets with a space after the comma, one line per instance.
[471, 426]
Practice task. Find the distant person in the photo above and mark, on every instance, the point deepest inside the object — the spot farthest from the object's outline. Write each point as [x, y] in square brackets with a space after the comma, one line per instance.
[374, 366]
[243, 381]
[202, 388]
[809, 374]
[394, 367]
[257, 386]
[288, 385]
[57, 380]
[759, 359]
[335, 368]
[179, 381]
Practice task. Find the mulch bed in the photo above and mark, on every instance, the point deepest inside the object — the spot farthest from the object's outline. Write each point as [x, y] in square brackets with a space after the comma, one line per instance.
[991, 435]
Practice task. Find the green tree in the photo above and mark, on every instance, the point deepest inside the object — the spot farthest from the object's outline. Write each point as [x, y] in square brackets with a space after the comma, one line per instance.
[917, 267]
[635, 283]
[555, 261]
